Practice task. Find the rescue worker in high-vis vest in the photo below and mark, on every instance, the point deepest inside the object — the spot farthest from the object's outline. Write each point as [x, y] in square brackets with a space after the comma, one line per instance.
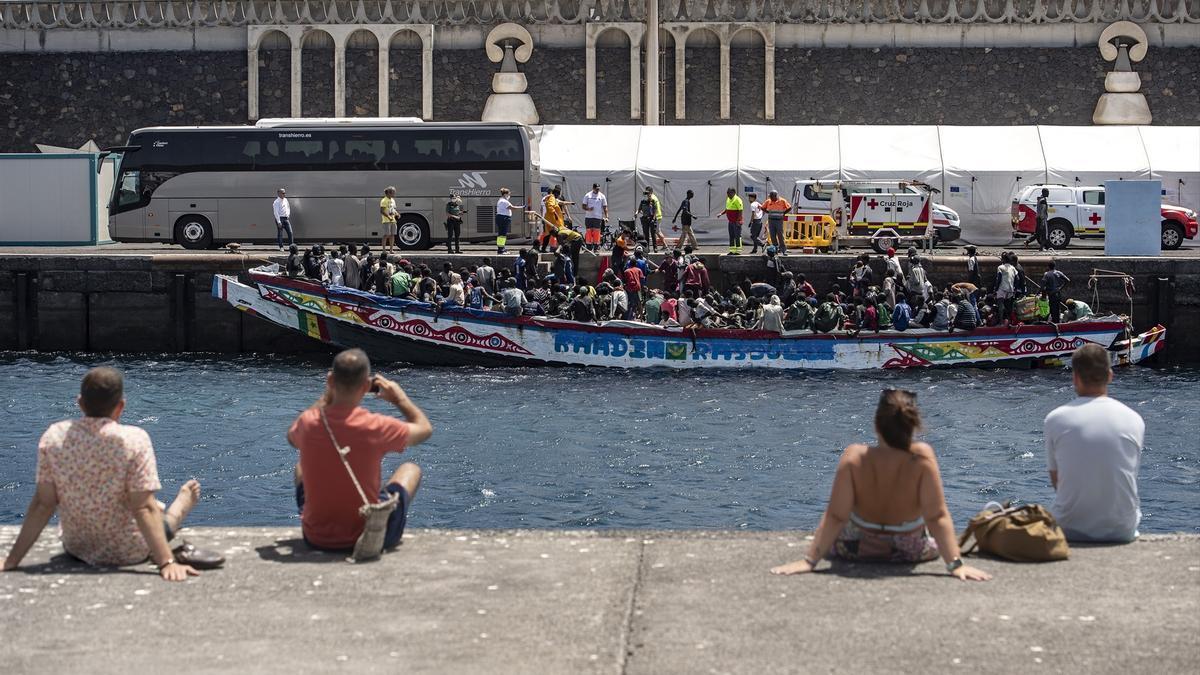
[776, 208]
[503, 219]
[733, 212]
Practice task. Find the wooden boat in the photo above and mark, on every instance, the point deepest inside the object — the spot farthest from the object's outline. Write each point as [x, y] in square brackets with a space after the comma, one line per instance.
[392, 329]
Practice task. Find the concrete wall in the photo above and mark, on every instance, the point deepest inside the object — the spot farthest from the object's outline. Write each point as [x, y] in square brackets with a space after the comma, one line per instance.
[68, 98]
[163, 303]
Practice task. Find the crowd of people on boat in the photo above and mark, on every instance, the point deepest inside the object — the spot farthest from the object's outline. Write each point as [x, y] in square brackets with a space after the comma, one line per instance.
[674, 289]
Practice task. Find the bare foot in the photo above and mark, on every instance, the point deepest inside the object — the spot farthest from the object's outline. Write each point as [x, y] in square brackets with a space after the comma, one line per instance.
[798, 567]
[185, 501]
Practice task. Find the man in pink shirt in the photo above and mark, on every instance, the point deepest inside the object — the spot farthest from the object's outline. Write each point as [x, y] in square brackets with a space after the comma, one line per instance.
[101, 477]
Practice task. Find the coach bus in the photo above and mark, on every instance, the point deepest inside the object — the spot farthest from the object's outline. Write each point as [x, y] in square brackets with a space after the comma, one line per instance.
[205, 186]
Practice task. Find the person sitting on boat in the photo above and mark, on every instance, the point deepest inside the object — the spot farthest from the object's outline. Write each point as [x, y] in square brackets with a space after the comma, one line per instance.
[941, 313]
[965, 317]
[402, 281]
[829, 316]
[428, 289]
[1077, 310]
[381, 277]
[293, 267]
[870, 315]
[581, 308]
[540, 293]
[512, 299]
[885, 314]
[618, 301]
[456, 295]
[653, 307]
[901, 313]
[799, 314]
[695, 278]
[887, 502]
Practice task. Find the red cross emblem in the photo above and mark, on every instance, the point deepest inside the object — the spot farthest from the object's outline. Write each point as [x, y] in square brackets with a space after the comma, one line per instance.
[1095, 218]
[872, 204]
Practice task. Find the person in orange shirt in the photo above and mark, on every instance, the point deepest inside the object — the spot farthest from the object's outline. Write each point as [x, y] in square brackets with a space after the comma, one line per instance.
[776, 207]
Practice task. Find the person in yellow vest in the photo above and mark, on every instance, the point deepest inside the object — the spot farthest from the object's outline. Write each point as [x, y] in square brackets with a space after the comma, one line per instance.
[553, 220]
[733, 213]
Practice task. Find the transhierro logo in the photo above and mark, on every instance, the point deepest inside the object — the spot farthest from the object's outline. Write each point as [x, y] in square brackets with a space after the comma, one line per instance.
[471, 184]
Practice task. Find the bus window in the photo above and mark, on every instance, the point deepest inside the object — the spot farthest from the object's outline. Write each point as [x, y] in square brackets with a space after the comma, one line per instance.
[364, 151]
[129, 191]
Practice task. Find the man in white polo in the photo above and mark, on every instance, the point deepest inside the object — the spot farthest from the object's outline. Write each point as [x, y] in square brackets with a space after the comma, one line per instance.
[1093, 451]
[595, 213]
[283, 218]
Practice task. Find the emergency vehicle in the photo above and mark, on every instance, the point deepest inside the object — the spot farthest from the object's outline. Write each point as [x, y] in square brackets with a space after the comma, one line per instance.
[814, 197]
[1079, 212]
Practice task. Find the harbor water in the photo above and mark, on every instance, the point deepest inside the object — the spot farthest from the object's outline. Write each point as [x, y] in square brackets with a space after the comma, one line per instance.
[568, 448]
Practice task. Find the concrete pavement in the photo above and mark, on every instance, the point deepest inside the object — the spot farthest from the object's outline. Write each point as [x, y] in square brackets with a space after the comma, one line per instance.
[546, 601]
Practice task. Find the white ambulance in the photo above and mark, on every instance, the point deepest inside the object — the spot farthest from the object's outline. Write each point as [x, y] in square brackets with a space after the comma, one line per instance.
[834, 198]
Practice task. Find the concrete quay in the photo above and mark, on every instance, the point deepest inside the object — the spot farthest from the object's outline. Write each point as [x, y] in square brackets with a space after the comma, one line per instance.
[467, 601]
[156, 299]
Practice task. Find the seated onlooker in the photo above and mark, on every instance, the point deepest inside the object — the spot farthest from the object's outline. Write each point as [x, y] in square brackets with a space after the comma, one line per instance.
[887, 502]
[329, 500]
[101, 476]
[1093, 450]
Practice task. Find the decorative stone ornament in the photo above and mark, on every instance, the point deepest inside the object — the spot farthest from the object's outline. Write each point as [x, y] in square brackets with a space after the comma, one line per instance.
[509, 44]
[1123, 42]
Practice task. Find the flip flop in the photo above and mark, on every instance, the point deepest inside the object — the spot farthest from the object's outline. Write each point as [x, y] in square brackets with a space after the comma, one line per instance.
[198, 558]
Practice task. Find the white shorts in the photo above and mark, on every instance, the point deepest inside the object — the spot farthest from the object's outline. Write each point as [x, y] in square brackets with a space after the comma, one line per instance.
[389, 229]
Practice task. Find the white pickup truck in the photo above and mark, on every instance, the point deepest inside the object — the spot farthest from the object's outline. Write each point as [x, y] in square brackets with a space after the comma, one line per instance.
[1079, 212]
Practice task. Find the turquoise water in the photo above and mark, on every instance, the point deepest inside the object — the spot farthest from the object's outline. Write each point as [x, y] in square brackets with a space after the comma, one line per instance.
[565, 448]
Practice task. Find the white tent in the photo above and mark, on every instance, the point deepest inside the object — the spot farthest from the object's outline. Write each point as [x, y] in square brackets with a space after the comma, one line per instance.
[1077, 156]
[674, 160]
[1174, 154]
[886, 152]
[985, 167]
[576, 156]
[774, 158]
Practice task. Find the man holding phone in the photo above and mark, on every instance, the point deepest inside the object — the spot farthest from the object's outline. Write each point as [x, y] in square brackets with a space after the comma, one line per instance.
[328, 499]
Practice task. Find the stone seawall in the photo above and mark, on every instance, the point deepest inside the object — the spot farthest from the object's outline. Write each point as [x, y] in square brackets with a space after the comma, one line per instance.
[162, 303]
[69, 98]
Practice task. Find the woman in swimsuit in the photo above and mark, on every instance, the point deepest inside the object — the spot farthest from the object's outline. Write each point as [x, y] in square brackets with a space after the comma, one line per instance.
[887, 502]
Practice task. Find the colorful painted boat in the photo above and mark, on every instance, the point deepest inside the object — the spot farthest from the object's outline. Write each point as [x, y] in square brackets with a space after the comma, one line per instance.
[392, 329]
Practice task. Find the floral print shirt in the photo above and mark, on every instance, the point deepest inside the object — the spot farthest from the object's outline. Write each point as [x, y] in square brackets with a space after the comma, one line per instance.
[94, 463]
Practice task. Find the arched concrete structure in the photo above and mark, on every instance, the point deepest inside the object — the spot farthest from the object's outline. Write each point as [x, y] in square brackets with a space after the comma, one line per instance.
[340, 33]
[635, 32]
[724, 32]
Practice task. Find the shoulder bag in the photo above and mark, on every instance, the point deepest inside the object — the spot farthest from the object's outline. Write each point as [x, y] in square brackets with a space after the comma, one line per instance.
[1026, 533]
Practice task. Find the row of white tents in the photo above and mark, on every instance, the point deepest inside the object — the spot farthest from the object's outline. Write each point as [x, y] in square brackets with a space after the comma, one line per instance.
[978, 169]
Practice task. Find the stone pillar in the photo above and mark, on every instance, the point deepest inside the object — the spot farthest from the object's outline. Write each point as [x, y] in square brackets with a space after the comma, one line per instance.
[252, 81]
[427, 72]
[725, 75]
[635, 78]
[769, 82]
[651, 62]
[680, 77]
[589, 74]
[297, 71]
[339, 76]
[384, 76]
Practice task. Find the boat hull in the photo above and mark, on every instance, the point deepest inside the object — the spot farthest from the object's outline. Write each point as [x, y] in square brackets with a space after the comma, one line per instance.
[390, 329]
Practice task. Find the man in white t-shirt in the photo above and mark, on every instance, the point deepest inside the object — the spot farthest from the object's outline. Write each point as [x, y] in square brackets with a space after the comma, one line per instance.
[595, 213]
[1093, 451]
[283, 218]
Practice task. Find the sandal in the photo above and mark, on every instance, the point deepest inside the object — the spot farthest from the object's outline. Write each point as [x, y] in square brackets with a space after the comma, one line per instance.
[198, 558]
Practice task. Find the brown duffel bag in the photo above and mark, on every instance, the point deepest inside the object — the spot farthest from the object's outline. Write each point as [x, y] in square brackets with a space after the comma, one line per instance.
[1026, 533]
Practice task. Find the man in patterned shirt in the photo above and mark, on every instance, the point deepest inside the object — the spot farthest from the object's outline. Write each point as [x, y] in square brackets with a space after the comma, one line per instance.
[101, 477]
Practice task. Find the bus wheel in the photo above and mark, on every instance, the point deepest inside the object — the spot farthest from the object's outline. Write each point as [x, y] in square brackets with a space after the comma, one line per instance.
[413, 233]
[194, 232]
